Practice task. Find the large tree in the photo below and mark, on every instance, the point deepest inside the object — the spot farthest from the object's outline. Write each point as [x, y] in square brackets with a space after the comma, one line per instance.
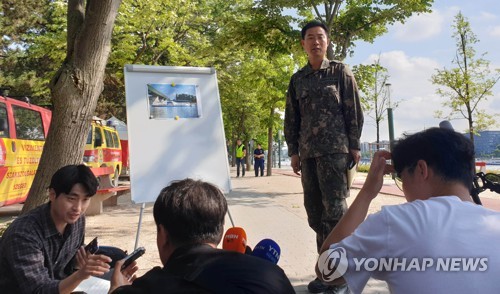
[468, 83]
[75, 89]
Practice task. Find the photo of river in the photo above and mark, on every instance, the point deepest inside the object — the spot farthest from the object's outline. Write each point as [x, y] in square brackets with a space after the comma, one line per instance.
[176, 101]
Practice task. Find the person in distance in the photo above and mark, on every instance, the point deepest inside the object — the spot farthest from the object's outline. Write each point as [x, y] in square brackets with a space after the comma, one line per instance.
[189, 216]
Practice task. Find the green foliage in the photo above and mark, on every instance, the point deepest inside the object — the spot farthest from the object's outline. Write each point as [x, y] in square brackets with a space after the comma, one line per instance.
[350, 21]
[363, 168]
[253, 46]
[496, 153]
[251, 91]
[463, 87]
[34, 46]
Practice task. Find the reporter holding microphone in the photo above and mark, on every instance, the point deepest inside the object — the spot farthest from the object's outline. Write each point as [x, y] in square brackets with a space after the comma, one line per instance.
[189, 216]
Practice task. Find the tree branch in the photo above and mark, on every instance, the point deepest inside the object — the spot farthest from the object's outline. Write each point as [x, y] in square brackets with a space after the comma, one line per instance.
[75, 18]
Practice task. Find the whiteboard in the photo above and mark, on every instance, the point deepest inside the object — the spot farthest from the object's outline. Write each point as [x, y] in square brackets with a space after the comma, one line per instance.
[175, 128]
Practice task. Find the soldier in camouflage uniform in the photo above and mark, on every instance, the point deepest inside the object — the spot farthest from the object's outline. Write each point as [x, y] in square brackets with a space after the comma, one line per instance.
[323, 122]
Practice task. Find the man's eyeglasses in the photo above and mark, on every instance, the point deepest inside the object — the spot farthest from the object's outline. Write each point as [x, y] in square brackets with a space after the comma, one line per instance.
[397, 176]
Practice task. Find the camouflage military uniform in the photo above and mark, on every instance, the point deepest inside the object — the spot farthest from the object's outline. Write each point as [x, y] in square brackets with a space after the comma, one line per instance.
[323, 121]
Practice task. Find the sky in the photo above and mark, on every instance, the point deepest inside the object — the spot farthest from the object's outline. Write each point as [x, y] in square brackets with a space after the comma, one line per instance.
[413, 51]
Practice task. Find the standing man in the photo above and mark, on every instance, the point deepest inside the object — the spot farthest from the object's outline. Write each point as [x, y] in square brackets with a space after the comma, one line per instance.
[42, 252]
[241, 152]
[323, 122]
[258, 155]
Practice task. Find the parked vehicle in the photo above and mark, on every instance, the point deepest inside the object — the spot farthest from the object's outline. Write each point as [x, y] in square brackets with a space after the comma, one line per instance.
[103, 148]
[23, 129]
[121, 128]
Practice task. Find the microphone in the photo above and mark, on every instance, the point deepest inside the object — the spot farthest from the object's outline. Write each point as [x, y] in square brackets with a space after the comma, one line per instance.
[268, 250]
[235, 239]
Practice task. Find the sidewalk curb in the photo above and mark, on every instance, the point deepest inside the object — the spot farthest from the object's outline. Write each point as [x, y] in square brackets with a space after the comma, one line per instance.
[390, 188]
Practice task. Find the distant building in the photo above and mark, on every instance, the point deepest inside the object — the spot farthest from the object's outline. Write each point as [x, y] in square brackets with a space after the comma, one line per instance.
[367, 149]
[486, 142]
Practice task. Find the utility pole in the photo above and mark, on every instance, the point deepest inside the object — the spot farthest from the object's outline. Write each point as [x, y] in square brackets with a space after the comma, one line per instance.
[390, 117]
[279, 148]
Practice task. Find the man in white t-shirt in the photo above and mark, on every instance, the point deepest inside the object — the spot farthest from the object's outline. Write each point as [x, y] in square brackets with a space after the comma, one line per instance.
[438, 242]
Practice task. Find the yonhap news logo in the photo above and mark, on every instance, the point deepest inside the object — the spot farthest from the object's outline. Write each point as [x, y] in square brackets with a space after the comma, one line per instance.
[333, 264]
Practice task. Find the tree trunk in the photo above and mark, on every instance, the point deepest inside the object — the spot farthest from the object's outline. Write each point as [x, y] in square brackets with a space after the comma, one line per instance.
[330, 53]
[75, 90]
[471, 127]
[269, 167]
[247, 157]
[377, 124]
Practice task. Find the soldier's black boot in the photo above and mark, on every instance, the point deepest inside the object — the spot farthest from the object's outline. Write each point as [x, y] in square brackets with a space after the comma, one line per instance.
[316, 286]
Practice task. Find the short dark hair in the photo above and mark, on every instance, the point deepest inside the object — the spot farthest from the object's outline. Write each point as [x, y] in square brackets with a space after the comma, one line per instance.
[450, 154]
[67, 176]
[312, 24]
[192, 212]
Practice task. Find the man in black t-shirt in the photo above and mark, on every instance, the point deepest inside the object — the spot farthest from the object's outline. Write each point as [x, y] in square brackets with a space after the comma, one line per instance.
[258, 157]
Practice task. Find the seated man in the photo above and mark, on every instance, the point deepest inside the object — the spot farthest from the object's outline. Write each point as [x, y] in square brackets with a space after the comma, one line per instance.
[40, 251]
[438, 242]
[189, 217]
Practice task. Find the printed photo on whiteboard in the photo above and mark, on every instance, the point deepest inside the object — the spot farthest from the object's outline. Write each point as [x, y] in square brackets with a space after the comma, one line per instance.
[173, 101]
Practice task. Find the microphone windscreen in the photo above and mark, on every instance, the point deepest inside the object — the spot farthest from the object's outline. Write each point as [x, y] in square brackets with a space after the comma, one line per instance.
[268, 250]
[235, 239]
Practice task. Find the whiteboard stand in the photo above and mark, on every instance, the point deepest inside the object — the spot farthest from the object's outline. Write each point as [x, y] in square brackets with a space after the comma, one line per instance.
[175, 130]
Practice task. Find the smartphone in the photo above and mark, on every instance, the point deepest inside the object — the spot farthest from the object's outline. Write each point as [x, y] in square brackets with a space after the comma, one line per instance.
[93, 246]
[133, 256]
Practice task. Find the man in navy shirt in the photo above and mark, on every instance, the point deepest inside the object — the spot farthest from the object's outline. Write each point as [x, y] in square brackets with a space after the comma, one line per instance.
[258, 156]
